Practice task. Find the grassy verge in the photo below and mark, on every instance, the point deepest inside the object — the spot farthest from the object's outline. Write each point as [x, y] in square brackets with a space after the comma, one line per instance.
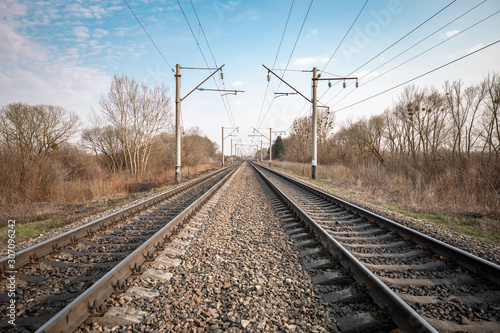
[481, 228]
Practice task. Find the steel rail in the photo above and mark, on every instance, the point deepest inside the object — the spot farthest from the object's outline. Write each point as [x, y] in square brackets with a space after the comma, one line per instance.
[75, 313]
[403, 315]
[452, 254]
[31, 253]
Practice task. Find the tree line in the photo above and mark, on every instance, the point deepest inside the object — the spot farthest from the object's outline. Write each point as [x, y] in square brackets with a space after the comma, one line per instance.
[433, 138]
[43, 148]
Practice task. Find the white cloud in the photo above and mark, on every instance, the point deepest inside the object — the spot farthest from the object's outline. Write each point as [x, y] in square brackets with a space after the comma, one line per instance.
[79, 11]
[474, 48]
[451, 33]
[309, 61]
[33, 73]
[81, 32]
[237, 83]
[314, 31]
[97, 12]
[98, 33]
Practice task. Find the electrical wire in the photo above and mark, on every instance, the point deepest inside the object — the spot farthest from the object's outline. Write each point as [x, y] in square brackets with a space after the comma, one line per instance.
[291, 54]
[275, 60]
[419, 76]
[393, 44]
[409, 33]
[215, 62]
[416, 56]
[334, 52]
[151, 39]
[226, 107]
[203, 32]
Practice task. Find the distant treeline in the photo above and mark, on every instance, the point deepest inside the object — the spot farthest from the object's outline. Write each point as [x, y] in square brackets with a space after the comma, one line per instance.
[130, 139]
[442, 141]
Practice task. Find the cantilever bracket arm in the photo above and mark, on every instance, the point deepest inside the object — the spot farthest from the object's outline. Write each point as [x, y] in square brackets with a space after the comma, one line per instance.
[298, 92]
[189, 93]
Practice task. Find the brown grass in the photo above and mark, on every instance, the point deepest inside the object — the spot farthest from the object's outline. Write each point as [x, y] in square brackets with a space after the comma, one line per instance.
[72, 198]
[463, 196]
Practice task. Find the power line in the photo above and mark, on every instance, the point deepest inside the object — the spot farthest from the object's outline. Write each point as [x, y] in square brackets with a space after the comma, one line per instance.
[289, 58]
[275, 59]
[416, 56]
[226, 107]
[334, 52]
[148, 35]
[203, 31]
[230, 113]
[390, 46]
[296, 40]
[444, 26]
[409, 33]
[417, 77]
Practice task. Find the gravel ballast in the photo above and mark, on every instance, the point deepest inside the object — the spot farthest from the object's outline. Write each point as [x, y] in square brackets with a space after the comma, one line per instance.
[239, 274]
[477, 247]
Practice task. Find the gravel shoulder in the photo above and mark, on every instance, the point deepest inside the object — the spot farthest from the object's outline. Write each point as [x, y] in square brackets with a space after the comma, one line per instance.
[482, 249]
[241, 274]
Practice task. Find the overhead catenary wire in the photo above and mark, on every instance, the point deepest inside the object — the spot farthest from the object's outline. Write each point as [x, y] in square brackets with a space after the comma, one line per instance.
[151, 39]
[338, 46]
[419, 76]
[417, 56]
[290, 57]
[406, 35]
[275, 60]
[215, 62]
[323, 70]
[226, 107]
[396, 42]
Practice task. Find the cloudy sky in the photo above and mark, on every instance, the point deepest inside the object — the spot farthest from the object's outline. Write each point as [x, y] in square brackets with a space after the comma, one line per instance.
[65, 52]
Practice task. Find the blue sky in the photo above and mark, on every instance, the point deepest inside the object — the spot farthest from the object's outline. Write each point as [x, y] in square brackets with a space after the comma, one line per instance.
[65, 52]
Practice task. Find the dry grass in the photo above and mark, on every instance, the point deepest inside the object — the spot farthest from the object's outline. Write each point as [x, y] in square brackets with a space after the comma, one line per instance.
[462, 198]
[70, 199]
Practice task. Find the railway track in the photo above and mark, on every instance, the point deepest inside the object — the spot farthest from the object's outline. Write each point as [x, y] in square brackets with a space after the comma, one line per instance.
[62, 281]
[422, 284]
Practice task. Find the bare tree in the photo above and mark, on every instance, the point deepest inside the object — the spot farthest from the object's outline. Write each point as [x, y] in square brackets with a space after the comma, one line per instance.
[105, 141]
[138, 113]
[31, 134]
[491, 116]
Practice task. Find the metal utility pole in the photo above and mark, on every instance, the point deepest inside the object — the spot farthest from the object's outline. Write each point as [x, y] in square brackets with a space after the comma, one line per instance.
[224, 137]
[178, 101]
[177, 123]
[314, 124]
[315, 80]
[260, 151]
[236, 148]
[270, 140]
[314, 103]
[232, 157]
[270, 146]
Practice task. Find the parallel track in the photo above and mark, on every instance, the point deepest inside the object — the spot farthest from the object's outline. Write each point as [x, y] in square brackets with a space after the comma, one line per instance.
[88, 263]
[424, 284]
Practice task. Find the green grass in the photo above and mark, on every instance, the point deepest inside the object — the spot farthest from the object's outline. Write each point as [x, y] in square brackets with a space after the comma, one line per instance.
[33, 228]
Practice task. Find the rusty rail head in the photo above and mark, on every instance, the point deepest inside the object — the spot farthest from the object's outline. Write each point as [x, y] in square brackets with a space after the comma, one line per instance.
[474, 263]
[58, 242]
[403, 315]
[75, 313]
